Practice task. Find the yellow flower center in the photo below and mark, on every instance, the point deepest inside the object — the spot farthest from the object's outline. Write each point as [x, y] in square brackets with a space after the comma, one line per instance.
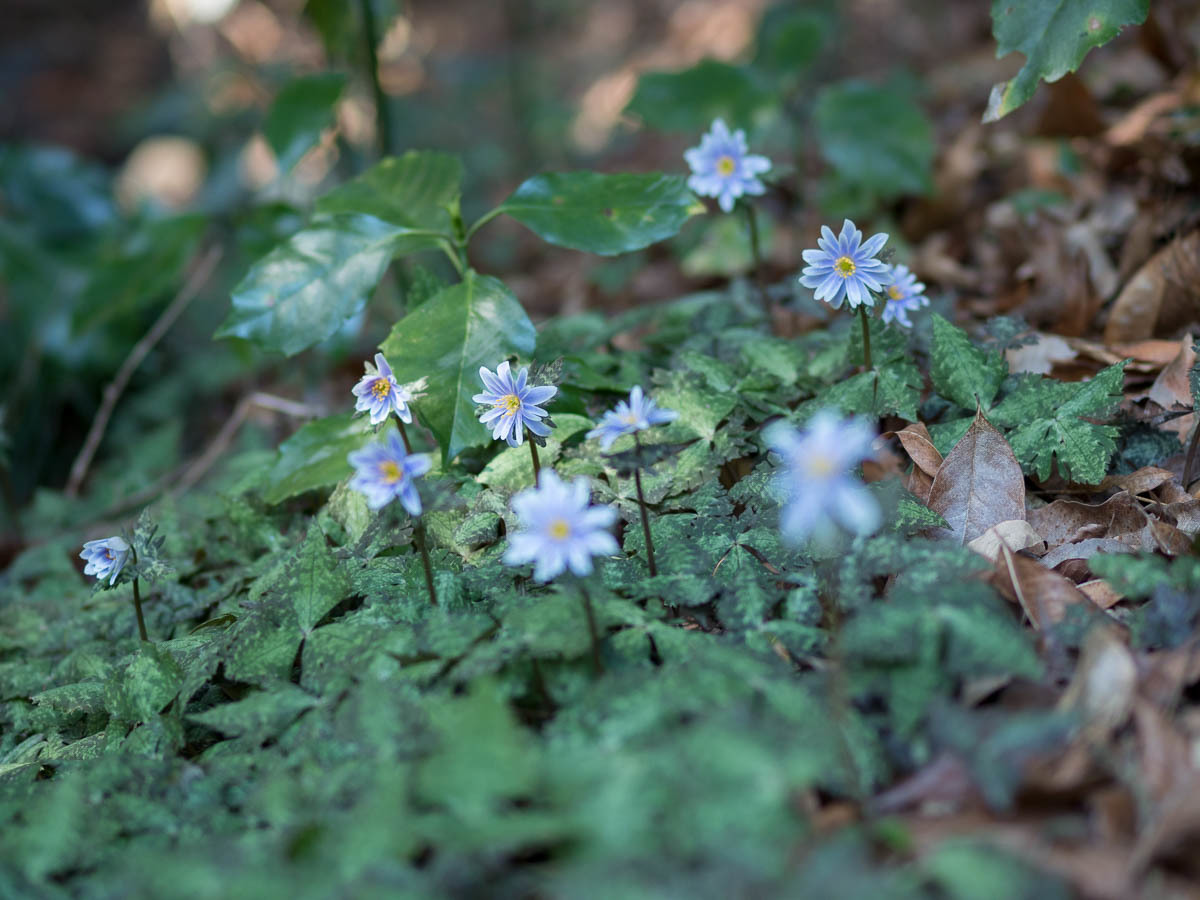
[819, 466]
[844, 266]
[894, 292]
[725, 165]
[559, 529]
[381, 388]
[390, 472]
[629, 419]
[511, 403]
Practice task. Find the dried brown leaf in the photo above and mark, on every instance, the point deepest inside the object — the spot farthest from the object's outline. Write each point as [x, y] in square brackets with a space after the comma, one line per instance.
[979, 483]
[1141, 481]
[1016, 534]
[919, 446]
[1042, 593]
[1161, 295]
[1062, 520]
[1105, 681]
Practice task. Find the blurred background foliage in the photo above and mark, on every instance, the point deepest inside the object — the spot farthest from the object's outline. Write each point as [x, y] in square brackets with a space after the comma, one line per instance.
[157, 141]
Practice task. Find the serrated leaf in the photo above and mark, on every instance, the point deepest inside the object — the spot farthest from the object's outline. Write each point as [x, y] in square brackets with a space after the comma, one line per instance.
[416, 191]
[979, 483]
[1054, 36]
[892, 389]
[691, 99]
[316, 582]
[962, 372]
[315, 456]
[302, 291]
[876, 138]
[604, 214]
[151, 680]
[303, 108]
[477, 322]
[1046, 434]
[511, 468]
[262, 715]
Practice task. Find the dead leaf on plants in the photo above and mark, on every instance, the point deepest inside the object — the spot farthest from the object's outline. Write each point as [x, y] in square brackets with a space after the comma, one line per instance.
[1016, 534]
[1139, 482]
[979, 484]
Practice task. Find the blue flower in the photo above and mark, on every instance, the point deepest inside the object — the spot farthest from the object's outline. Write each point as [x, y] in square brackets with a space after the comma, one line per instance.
[722, 168]
[105, 558]
[638, 414]
[845, 267]
[904, 294]
[816, 480]
[379, 394]
[559, 530]
[515, 405]
[384, 471]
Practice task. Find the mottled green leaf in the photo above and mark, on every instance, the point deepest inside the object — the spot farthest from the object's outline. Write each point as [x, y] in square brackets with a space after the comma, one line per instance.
[446, 339]
[315, 582]
[605, 214]
[962, 372]
[1054, 36]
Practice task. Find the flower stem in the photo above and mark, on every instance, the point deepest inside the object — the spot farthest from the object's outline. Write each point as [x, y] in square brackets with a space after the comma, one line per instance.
[637, 480]
[419, 538]
[404, 437]
[597, 665]
[137, 608]
[866, 331]
[756, 254]
[533, 455]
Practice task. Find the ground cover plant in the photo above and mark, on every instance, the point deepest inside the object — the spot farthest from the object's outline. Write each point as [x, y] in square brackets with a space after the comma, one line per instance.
[860, 562]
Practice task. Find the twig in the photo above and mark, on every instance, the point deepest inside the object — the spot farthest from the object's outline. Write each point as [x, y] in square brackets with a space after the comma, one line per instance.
[200, 274]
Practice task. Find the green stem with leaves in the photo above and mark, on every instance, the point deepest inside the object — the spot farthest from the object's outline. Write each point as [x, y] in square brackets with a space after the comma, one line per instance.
[756, 272]
[637, 481]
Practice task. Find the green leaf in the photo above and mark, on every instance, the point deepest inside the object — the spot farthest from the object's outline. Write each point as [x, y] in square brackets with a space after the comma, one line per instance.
[960, 371]
[260, 716]
[1194, 376]
[315, 582]
[418, 191]
[789, 40]
[876, 138]
[302, 291]
[691, 99]
[604, 214]
[301, 111]
[315, 456]
[1054, 36]
[446, 339]
[1045, 434]
[150, 682]
[892, 389]
[511, 470]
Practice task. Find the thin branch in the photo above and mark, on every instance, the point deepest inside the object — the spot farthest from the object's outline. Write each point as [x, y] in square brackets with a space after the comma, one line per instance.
[199, 276]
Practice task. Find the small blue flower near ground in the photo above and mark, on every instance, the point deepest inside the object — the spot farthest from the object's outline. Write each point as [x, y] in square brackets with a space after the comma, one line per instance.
[637, 414]
[384, 471]
[845, 268]
[816, 481]
[515, 405]
[722, 167]
[559, 530]
[379, 394]
[105, 558]
[904, 295]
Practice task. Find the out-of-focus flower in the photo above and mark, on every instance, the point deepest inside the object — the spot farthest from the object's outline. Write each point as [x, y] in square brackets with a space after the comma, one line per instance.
[559, 530]
[637, 414]
[515, 404]
[723, 168]
[845, 268]
[380, 395]
[384, 471]
[904, 295]
[816, 481]
[105, 558]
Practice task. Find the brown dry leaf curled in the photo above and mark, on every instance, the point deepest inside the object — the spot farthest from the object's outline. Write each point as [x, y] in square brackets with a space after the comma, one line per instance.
[1062, 520]
[1161, 295]
[979, 484]
[1044, 594]
[1016, 534]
